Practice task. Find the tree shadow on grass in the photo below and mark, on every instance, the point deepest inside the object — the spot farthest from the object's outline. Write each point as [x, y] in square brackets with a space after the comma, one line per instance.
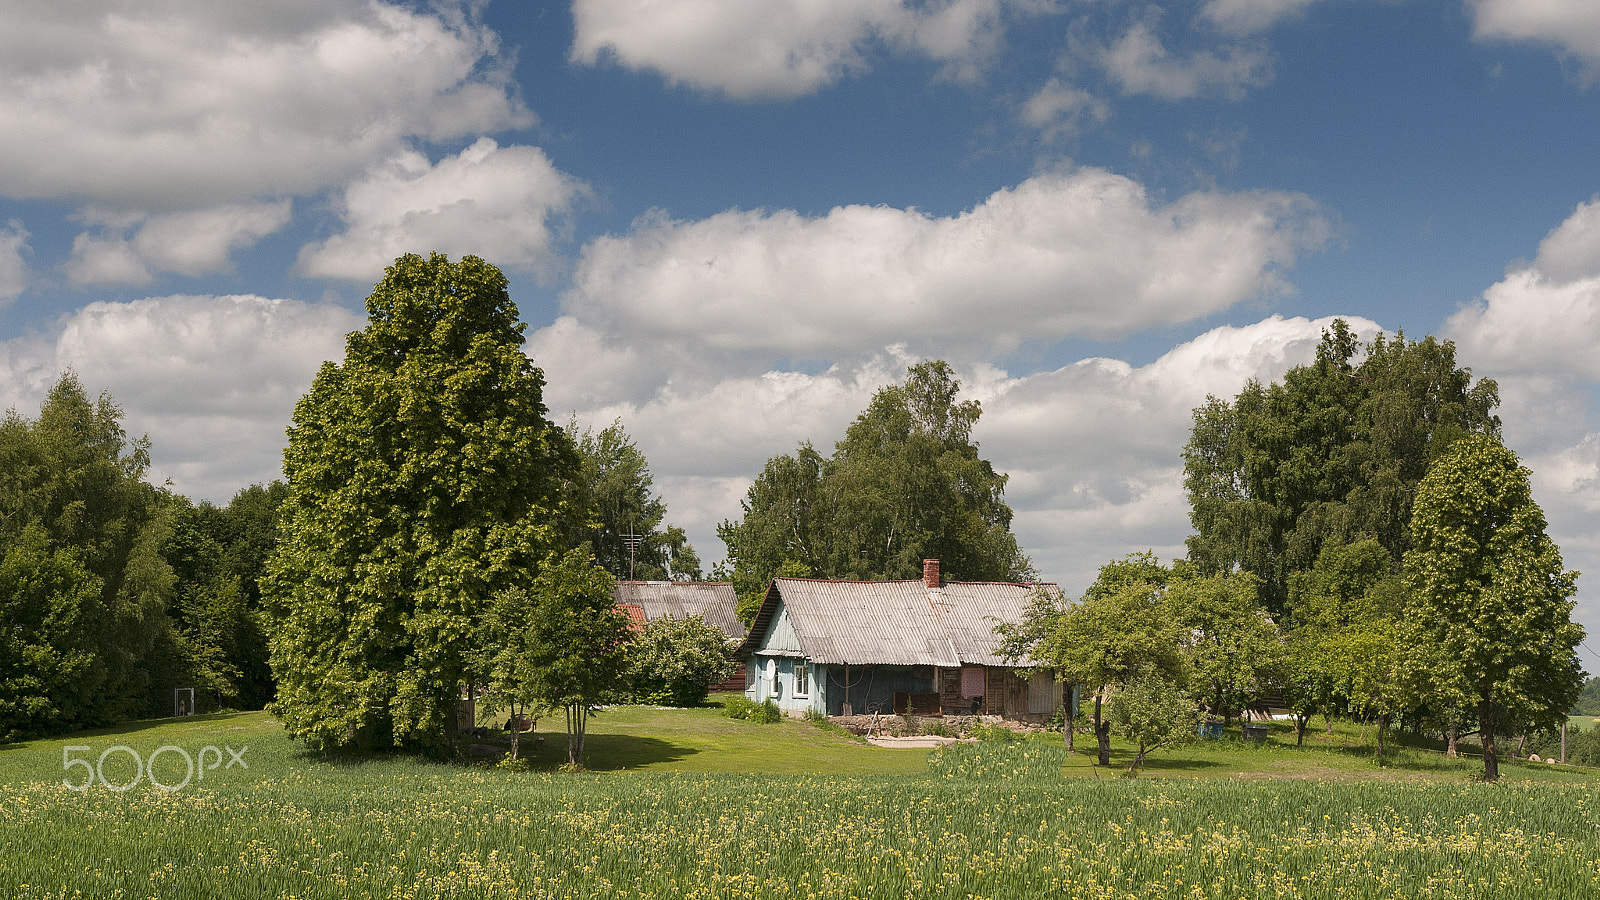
[1153, 765]
[127, 728]
[606, 752]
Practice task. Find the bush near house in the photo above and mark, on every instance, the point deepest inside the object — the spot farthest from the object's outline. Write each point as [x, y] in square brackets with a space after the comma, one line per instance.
[676, 661]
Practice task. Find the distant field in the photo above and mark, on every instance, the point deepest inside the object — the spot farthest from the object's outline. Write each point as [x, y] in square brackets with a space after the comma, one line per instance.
[824, 817]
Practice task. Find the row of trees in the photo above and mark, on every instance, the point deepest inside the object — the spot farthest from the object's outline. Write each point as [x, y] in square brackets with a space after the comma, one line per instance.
[1364, 545]
[114, 591]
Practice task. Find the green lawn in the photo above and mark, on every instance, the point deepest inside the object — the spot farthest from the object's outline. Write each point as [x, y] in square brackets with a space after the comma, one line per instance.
[636, 738]
[690, 804]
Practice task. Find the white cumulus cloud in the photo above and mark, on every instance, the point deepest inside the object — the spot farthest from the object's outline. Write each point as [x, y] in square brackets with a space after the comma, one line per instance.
[1060, 110]
[750, 49]
[212, 380]
[1572, 26]
[1543, 318]
[1535, 332]
[192, 103]
[1141, 64]
[1092, 449]
[189, 243]
[1081, 253]
[505, 204]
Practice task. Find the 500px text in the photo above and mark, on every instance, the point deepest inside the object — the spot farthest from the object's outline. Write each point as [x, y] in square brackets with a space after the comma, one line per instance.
[210, 758]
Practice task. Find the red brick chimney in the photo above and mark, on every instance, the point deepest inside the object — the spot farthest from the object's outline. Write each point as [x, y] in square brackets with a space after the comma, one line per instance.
[930, 573]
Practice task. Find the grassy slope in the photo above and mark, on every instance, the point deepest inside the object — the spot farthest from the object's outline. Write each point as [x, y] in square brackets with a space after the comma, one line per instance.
[703, 740]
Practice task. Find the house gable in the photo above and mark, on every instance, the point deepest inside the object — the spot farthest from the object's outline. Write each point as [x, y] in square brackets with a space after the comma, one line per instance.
[779, 639]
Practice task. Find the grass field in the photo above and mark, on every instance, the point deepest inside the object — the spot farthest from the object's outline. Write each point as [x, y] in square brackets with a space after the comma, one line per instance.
[695, 805]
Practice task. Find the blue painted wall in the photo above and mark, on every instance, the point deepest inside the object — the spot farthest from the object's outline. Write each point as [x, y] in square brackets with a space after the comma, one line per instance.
[872, 688]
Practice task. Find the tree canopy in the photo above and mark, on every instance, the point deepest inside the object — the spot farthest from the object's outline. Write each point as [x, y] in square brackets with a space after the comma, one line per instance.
[614, 483]
[676, 661]
[219, 556]
[1119, 632]
[1333, 453]
[576, 643]
[423, 478]
[84, 590]
[1490, 621]
[905, 484]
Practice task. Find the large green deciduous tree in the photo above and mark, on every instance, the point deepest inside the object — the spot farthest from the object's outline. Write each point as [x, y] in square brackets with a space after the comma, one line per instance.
[1491, 608]
[1333, 453]
[424, 477]
[1234, 653]
[905, 484]
[615, 484]
[84, 590]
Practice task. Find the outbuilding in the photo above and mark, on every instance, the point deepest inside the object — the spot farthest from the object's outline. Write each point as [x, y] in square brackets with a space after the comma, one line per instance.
[713, 601]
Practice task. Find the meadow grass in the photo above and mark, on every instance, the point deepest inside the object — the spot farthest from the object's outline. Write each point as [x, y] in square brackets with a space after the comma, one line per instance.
[993, 820]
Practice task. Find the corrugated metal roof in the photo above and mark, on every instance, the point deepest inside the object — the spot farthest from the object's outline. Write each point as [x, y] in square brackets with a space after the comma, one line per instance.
[713, 601]
[901, 623]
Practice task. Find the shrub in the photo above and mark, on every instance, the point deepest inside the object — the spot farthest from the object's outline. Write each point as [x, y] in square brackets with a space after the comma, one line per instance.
[676, 661]
[1058, 720]
[763, 713]
[998, 733]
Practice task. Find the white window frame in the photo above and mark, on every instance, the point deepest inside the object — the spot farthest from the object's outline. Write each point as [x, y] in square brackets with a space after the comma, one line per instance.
[802, 679]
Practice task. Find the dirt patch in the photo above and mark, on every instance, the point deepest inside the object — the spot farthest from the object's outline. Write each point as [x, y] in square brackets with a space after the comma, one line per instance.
[925, 742]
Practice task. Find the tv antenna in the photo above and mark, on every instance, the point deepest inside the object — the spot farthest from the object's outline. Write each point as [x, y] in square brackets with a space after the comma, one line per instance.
[633, 542]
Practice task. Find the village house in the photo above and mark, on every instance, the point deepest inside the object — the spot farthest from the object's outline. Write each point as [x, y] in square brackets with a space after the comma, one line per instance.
[713, 601]
[919, 647]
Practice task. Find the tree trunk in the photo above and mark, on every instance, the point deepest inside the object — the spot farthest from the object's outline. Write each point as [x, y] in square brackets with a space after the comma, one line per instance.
[1383, 719]
[1070, 717]
[1491, 762]
[1102, 732]
[1300, 728]
[1138, 760]
[1452, 738]
[577, 724]
[516, 730]
[1522, 743]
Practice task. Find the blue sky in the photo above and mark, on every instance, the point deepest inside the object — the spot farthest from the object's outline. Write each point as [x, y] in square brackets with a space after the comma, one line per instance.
[727, 222]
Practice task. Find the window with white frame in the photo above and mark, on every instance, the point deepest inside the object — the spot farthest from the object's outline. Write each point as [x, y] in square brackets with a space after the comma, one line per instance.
[802, 679]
